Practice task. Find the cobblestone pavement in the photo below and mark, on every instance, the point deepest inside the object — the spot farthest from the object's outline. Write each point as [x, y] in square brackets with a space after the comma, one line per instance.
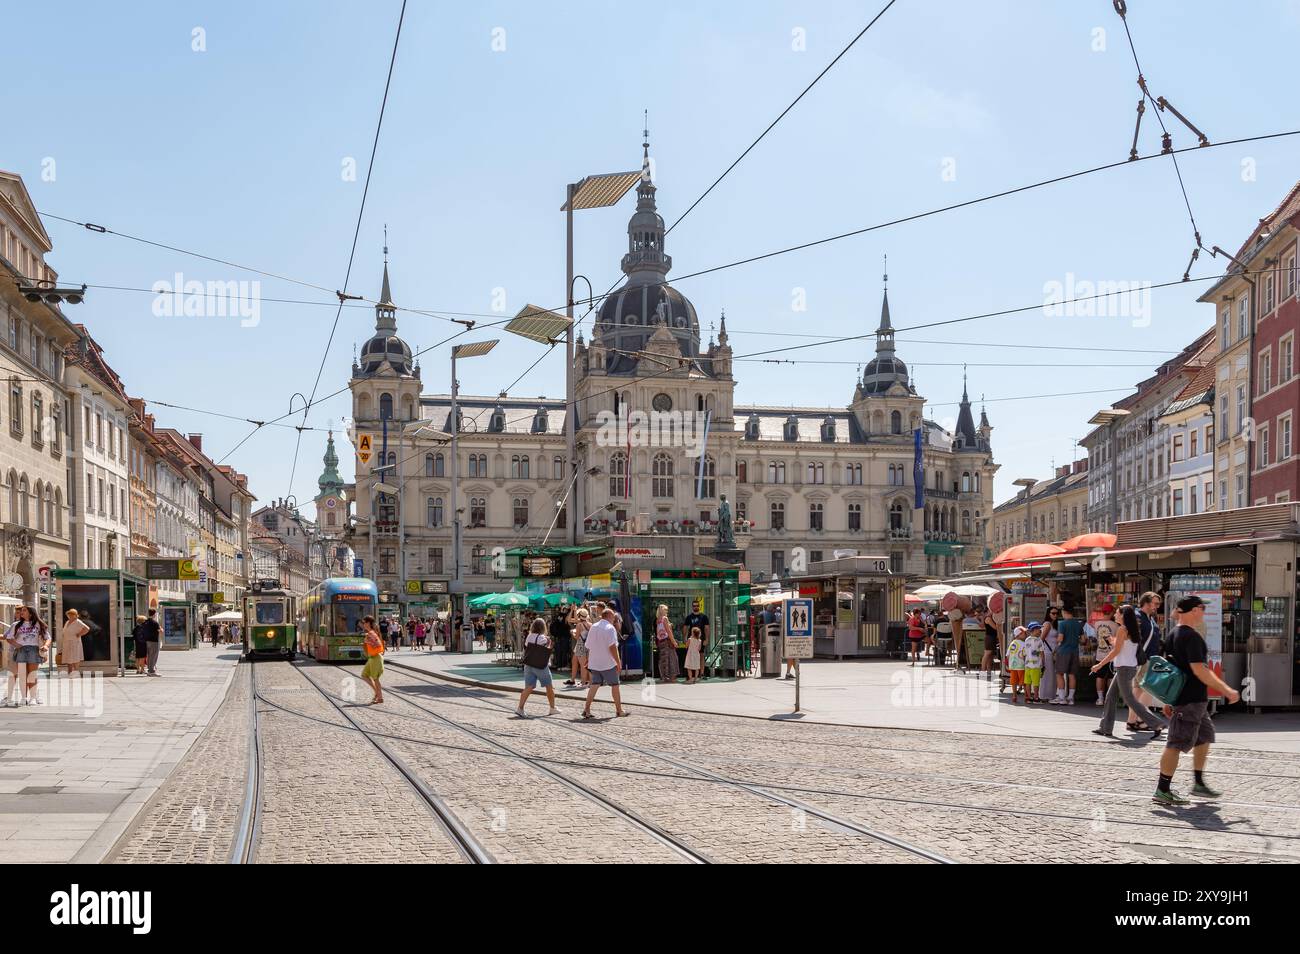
[972, 798]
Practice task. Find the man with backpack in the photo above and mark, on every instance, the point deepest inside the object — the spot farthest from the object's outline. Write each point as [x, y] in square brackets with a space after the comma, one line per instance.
[1190, 727]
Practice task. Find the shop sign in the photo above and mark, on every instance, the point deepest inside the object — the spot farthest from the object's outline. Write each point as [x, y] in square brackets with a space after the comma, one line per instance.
[162, 569]
[202, 597]
[644, 553]
[433, 586]
[810, 589]
[539, 566]
[187, 570]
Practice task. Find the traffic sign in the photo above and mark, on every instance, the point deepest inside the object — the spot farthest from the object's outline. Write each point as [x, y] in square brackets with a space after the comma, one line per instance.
[797, 629]
[363, 449]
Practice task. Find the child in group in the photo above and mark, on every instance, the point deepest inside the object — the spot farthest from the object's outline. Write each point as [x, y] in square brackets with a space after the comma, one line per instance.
[1016, 663]
[1034, 651]
[693, 666]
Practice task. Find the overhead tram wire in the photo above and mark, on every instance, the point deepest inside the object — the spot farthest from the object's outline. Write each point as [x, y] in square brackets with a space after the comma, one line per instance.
[831, 340]
[352, 254]
[772, 125]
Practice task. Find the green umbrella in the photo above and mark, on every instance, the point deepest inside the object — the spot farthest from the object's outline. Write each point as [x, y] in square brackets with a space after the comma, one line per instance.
[503, 600]
[549, 599]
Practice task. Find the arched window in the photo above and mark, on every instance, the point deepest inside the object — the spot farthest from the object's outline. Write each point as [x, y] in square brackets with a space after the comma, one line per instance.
[385, 406]
[439, 465]
[24, 514]
[706, 484]
[855, 516]
[433, 512]
[965, 481]
[776, 472]
[742, 472]
[428, 465]
[618, 486]
[816, 514]
[661, 484]
[977, 481]
[965, 523]
[58, 511]
[557, 467]
[40, 511]
[896, 422]
[776, 512]
[520, 507]
[478, 512]
[896, 515]
[478, 560]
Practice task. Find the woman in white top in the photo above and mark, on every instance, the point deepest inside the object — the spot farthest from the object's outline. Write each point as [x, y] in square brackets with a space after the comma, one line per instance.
[71, 652]
[1052, 639]
[1124, 655]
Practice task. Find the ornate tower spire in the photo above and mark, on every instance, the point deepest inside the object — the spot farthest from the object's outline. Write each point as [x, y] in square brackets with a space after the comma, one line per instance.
[385, 312]
[329, 481]
[885, 333]
[645, 256]
[722, 331]
[966, 435]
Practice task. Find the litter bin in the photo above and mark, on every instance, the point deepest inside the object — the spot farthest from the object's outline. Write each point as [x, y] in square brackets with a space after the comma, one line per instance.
[467, 638]
[770, 650]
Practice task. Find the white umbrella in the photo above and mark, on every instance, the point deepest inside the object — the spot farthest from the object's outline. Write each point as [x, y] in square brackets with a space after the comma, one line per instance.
[762, 599]
[975, 589]
[933, 591]
[9, 601]
[229, 616]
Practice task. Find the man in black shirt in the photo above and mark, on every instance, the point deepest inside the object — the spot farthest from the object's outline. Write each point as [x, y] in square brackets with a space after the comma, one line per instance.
[152, 638]
[1190, 728]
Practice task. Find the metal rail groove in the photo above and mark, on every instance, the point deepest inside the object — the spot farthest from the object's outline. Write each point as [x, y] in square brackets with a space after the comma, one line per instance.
[830, 818]
[248, 829]
[650, 828]
[457, 831]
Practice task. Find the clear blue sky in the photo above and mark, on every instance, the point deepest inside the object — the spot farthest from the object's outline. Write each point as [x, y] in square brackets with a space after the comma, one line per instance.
[237, 152]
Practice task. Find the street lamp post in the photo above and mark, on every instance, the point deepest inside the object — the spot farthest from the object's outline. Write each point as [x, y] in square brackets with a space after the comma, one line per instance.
[472, 350]
[1028, 484]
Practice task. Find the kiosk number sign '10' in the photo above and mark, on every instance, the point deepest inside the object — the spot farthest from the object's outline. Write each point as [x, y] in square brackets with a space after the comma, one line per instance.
[797, 629]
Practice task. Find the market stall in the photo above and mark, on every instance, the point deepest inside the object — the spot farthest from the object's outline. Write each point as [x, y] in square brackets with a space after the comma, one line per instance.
[855, 602]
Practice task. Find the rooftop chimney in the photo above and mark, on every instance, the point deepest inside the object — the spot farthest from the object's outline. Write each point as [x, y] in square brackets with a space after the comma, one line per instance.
[197, 441]
[1080, 465]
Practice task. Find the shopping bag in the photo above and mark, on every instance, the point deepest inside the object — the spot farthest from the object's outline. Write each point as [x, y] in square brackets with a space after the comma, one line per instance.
[1163, 679]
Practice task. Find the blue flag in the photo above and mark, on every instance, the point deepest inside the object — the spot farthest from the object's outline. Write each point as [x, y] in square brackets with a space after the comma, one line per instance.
[918, 469]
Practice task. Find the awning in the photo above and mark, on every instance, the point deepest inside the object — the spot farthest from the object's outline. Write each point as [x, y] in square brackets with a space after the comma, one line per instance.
[1197, 545]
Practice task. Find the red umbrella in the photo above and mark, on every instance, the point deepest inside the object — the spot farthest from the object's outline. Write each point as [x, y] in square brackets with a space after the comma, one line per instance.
[1026, 553]
[1089, 541]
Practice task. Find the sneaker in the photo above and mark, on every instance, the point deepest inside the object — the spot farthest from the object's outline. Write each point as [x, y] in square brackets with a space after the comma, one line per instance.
[520, 713]
[1100, 701]
[1109, 735]
[554, 711]
[1169, 798]
[1201, 790]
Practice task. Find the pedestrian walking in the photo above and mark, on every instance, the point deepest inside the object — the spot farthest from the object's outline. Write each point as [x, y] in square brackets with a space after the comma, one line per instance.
[693, 643]
[29, 640]
[1190, 726]
[579, 668]
[420, 634]
[141, 646]
[916, 634]
[1104, 636]
[1051, 639]
[373, 670]
[1067, 656]
[1149, 644]
[152, 642]
[603, 662]
[1123, 656]
[71, 651]
[1035, 649]
[537, 666]
[1016, 662]
[666, 644]
[992, 641]
[562, 622]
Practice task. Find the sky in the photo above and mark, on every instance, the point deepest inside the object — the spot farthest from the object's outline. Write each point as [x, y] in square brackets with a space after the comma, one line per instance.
[229, 129]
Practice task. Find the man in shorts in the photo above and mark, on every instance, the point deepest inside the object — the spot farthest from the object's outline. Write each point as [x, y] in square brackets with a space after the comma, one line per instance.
[1190, 728]
[603, 663]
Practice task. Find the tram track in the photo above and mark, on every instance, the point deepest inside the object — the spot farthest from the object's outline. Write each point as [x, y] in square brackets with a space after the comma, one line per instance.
[243, 848]
[911, 802]
[835, 822]
[467, 845]
[1102, 798]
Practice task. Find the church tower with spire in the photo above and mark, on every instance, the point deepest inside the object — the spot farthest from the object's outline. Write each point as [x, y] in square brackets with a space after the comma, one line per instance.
[331, 498]
[884, 401]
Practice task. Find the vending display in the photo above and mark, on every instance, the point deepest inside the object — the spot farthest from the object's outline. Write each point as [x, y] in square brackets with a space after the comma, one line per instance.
[1269, 625]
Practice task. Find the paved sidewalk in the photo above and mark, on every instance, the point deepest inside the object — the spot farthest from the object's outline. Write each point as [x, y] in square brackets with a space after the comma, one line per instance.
[875, 692]
[74, 772]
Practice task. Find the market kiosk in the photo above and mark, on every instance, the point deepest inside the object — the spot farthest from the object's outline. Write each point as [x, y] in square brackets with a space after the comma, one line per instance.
[855, 599]
[107, 601]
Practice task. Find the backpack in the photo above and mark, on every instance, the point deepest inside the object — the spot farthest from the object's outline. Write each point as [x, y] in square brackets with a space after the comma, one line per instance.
[1163, 679]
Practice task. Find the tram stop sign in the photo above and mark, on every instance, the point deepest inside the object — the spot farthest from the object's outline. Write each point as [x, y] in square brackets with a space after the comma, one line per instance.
[797, 629]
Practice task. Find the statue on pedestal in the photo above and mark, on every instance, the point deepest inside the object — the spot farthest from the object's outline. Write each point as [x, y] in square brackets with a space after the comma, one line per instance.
[726, 533]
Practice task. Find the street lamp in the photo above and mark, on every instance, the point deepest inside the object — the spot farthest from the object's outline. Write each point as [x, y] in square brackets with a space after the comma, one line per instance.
[474, 349]
[591, 192]
[416, 430]
[1027, 483]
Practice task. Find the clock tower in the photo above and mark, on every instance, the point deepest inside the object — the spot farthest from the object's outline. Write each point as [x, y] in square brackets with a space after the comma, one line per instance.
[332, 501]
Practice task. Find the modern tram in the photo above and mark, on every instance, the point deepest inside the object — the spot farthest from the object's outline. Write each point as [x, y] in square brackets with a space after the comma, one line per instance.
[270, 623]
[334, 609]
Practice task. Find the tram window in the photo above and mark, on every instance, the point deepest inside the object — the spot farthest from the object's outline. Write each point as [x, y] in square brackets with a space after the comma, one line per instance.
[348, 616]
[270, 614]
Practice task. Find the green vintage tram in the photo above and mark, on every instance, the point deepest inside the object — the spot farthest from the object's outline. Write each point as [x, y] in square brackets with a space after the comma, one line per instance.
[270, 623]
[334, 609]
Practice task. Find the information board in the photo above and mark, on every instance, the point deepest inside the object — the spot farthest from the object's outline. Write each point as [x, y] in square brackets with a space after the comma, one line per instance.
[797, 629]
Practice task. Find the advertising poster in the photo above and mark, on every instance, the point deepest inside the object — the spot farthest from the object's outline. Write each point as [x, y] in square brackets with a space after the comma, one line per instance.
[1208, 587]
[175, 626]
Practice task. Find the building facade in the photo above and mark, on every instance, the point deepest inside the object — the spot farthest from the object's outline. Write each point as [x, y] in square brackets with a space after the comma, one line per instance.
[34, 421]
[801, 483]
[1050, 511]
[99, 478]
